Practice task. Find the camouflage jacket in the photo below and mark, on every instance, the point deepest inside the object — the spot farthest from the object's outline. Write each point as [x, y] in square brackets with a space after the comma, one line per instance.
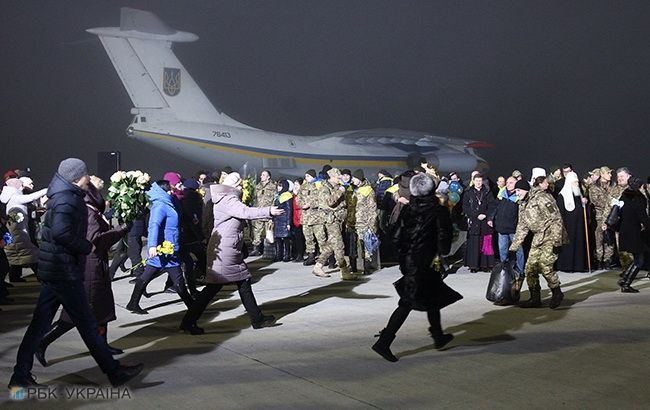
[331, 202]
[365, 212]
[308, 200]
[601, 197]
[264, 194]
[539, 214]
[616, 191]
[351, 205]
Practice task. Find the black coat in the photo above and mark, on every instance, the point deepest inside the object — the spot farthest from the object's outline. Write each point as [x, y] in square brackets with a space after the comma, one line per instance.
[423, 232]
[97, 279]
[633, 216]
[506, 216]
[191, 217]
[64, 246]
[476, 203]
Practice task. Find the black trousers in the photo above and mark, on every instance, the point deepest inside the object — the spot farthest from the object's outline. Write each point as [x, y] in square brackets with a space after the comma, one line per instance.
[4, 270]
[297, 242]
[210, 291]
[72, 296]
[131, 249]
[176, 276]
[400, 314]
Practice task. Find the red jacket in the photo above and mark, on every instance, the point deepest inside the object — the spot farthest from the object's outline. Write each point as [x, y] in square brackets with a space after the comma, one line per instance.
[297, 212]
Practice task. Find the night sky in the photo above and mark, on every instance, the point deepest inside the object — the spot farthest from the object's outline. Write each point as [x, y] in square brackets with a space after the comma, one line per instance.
[545, 81]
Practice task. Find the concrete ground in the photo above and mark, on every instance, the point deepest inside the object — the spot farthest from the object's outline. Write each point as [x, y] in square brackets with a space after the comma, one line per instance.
[592, 352]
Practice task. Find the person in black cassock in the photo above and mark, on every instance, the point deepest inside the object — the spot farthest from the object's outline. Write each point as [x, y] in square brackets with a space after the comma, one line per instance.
[479, 206]
[423, 232]
[573, 255]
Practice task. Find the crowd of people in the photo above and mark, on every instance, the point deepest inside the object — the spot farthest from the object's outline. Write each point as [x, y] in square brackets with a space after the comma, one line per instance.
[332, 219]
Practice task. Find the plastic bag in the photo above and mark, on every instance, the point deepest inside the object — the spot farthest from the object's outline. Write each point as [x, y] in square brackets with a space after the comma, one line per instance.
[370, 241]
[504, 286]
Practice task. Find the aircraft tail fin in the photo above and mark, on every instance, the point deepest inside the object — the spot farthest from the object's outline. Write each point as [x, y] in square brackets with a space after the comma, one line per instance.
[158, 84]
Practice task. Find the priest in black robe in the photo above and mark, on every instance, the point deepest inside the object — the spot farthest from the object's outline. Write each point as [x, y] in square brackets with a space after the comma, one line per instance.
[573, 255]
[479, 207]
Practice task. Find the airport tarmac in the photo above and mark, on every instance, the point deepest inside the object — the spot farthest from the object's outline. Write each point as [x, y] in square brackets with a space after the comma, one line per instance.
[591, 353]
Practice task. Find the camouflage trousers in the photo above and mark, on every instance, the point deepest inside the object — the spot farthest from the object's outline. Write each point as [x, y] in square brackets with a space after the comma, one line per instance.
[314, 234]
[603, 252]
[540, 261]
[259, 230]
[359, 232]
[333, 245]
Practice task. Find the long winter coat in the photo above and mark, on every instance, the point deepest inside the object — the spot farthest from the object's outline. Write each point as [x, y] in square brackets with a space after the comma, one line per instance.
[424, 231]
[281, 223]
[62, 255]
[97, 280]
[163, 226]
[22, 251]
[225, 259]
[633, 217]
[476, 203]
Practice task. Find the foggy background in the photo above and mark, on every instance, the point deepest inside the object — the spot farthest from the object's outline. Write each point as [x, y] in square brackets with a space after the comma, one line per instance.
[545, 82]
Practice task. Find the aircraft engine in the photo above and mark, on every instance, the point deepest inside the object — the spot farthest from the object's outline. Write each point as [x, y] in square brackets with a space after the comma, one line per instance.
[447, 161]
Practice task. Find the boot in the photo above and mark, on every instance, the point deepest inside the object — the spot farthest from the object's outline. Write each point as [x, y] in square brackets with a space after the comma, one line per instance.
[440, 339]
[58, 329]
[346, 274]
[257, 250]
[557, 297]
[318, 271]
[332, 262]
[353, 264]
[134, 303]
[29, 381]
[265, 321]
[191, 328]
[287, 250]
[367, 267]
[278, 250]
[382, 346]
[535, 300]
[311, 259]
[628, 279]
[624, 274]
[124, 373]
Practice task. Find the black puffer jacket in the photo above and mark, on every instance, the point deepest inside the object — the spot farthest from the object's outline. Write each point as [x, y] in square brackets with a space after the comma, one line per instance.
[64, 246]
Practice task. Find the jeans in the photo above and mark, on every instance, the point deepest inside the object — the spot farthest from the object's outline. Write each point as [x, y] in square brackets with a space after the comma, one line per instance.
[504, 243]
[72, 296]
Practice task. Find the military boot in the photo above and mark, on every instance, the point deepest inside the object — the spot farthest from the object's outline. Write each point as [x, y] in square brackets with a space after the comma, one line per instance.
[367, 267]
[347, 275]
[557, 297]
[311, 259]
[535, 300]
[318, 271]
[628, 279]
[382, 346]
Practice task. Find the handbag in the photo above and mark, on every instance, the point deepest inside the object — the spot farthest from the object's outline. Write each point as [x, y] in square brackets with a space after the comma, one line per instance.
[614, 218]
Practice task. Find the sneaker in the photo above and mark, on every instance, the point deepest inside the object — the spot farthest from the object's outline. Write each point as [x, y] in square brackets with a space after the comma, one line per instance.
[265, 322]
[124, 373]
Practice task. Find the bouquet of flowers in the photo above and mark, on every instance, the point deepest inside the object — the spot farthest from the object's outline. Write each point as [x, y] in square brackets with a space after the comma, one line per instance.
[15, 217]
[167, 248]
[248, 191]
[127, 194]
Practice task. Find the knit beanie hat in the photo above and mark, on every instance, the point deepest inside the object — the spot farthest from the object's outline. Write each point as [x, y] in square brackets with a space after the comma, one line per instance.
[233, 179]
[421, 185]
[385, 173]
[521, 184]
[311, 172]
[358, 174]
[71, 169]
[172, 177]
[346, 172]
[191, 183]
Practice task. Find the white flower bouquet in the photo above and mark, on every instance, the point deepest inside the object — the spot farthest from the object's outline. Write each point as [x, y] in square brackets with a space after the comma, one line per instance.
[127, 194]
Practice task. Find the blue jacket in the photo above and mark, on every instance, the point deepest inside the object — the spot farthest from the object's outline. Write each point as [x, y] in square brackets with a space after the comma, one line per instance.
[280, 223]
[163, 226]
[64, 246]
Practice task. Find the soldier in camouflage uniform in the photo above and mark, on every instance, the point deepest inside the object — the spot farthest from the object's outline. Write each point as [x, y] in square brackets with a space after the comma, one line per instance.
[331, 202]
[539, 214]
[600, 195]
[312, 219]
[362, 214]
[265, 192]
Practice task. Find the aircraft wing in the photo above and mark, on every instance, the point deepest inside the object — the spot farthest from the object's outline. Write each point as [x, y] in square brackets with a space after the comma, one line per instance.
[403, 137]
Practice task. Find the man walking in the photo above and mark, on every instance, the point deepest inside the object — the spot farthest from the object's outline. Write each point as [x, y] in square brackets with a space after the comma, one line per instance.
[61, 263]
[265, 192]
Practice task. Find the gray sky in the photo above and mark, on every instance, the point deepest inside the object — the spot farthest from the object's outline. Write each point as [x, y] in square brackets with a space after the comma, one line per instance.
[545, 81]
